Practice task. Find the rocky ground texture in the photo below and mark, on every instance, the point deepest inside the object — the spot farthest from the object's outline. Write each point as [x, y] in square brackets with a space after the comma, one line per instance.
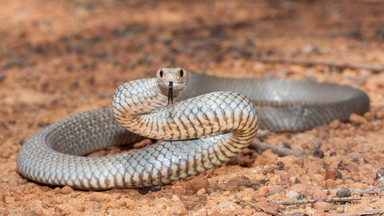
[58, 58]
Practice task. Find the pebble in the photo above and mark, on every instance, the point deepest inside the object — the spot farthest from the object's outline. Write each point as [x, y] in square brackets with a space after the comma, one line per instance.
[299, 188]
[178, 208]
[354, 155]
[280, 165]
[274, 189]
[343, 192]
[283, 144]
[179, 190]
[244, 160]
[357, 119]
[197, 183]
[2, 76]
[94, 198]
[263, 191]
[305, 137]
[32, 213]
[96, 207]
[379, 173]
[329, 184]
[5, 152]
[319, 194]
[318, 154]
[333, 174]
[289, 160]
[321, 205]
[243, 181]
[270, 155]
[225, 206]
[292, 194]
[4, 212]
[46, 203]
[315, 145]
[202, 191]
[66, 190]
[335, 124]
[299, 214]
[380, 182]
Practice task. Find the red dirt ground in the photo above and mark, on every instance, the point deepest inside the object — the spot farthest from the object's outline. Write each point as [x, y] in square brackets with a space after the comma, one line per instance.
[58, 58]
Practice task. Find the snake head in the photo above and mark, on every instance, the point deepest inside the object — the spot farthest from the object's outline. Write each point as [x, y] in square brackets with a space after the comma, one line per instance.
[172, 81]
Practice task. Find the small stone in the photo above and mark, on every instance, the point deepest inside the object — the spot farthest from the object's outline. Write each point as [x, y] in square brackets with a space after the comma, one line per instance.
[340, 209]
[5, 152]
[175, 198]
[275, 189]
[96, 207]
[335, 124]
[179, 190]
[333, 174]
[29, 213]
[197, 183]
[357, 119]
[46, 203]
[2, 76]
[318, 153]
[299, 214]
[319, 194]
[343, 192]
[379, 173]
[299, 188]
[380, 182]
[178, 208]
[3, 198]
[315, 145]
[263, 191]
[202, 191]
[94, 198]
[280, 165]
[292, 194]
[4, 212]
[329, 184]
[305, 137]
[66, 190]
[284, 144]
[270, 155]
[321, 205]
[244, 160]
[225, 206]
[354, 155]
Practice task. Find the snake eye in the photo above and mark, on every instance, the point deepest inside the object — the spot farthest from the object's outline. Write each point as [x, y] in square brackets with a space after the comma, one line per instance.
[181, 72]
[161, 73]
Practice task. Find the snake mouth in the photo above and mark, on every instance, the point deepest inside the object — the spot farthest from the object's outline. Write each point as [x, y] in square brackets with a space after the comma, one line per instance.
[170, 93]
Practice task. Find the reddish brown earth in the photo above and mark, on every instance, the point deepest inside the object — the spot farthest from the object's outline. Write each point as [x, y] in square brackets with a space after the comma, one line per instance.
[58, 58]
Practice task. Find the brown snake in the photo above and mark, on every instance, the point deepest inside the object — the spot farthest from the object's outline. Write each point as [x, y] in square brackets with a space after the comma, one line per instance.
[201, 130]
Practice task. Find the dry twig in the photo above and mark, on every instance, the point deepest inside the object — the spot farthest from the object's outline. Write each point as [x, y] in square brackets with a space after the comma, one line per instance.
[258, 207]
[331, 63]
[369, 191]
[360, 213]
[293, 202]
[279, 150]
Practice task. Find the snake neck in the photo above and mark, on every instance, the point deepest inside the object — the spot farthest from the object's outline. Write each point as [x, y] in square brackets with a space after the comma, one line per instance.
[141, 107]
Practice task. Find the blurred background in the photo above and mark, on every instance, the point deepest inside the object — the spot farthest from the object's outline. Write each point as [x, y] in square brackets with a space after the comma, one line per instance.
[61, 57]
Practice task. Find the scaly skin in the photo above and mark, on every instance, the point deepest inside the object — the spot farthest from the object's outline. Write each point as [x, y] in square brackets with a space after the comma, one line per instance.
[200, 132]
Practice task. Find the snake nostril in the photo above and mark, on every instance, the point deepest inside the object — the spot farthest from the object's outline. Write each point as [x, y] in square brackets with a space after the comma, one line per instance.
[161, 73]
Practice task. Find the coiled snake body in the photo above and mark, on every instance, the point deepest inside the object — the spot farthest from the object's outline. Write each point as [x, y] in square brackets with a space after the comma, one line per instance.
[201, 130]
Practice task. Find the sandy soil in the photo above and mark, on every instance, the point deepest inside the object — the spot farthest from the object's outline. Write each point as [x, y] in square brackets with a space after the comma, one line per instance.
[58, 58]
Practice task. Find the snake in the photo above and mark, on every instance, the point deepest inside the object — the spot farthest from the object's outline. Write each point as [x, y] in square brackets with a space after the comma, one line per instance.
[211, 120]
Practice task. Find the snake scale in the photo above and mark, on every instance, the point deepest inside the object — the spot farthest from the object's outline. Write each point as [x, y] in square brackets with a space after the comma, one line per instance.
[211, 121]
